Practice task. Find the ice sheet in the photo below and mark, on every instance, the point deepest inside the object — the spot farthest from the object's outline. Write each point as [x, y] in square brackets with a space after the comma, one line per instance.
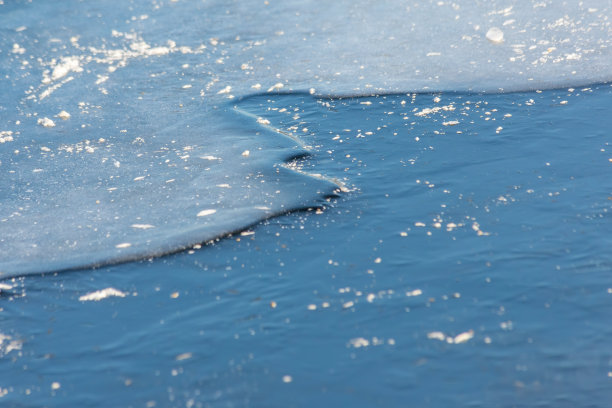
[119, 137]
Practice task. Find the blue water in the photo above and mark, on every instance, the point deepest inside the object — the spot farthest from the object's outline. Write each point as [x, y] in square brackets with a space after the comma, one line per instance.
[533, 286]
[392, 248]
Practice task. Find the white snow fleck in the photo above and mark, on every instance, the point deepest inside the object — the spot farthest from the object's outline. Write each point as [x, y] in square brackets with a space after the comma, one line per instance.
[416, 292]
[66, 65]
[8, 344]
[436, 335]
[101, 294]
[225, 90]
[463, 337]
[63, 115]
[183, 356]
[6, 136]
[17, 49]
[46, 122]
[142, 226]
[458, 339]
[204, 213]
[495, 35]
[275, 87]
[101, 79]
[359, 342]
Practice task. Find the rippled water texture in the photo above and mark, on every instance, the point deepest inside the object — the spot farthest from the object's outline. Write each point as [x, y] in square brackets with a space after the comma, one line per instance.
[468, 266]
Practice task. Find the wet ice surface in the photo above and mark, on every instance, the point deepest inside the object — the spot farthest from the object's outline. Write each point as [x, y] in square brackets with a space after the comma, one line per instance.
[85, 197]
[117, 124]
[467, 262]
[471, 256]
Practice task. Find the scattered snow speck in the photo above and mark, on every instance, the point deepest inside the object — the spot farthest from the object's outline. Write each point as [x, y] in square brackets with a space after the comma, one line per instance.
[495, 35]
[142, 226]
[204, 213]
[8, 344]
[463, 337]
[416, 292]
[436, 335]
[63, 115]
[348, 304]
[225, 90]
[101, 294]
[359, 342]
[66, 65]
[46, 122]
[458, 339]
[184, 356]
[6, 136]
[17, 49]
[275, 87]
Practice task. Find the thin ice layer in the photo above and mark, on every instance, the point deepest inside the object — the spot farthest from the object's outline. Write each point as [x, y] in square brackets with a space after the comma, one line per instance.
[344, 47]
[366, 47]
[118, 135]
[125, 197]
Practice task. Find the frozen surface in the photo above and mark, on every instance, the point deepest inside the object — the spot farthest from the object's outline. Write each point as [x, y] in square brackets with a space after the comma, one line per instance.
[468, 266]
[118, 135]
[149, 189]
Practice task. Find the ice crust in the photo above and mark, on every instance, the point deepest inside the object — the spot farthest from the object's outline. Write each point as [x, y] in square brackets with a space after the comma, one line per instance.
[147, 134]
